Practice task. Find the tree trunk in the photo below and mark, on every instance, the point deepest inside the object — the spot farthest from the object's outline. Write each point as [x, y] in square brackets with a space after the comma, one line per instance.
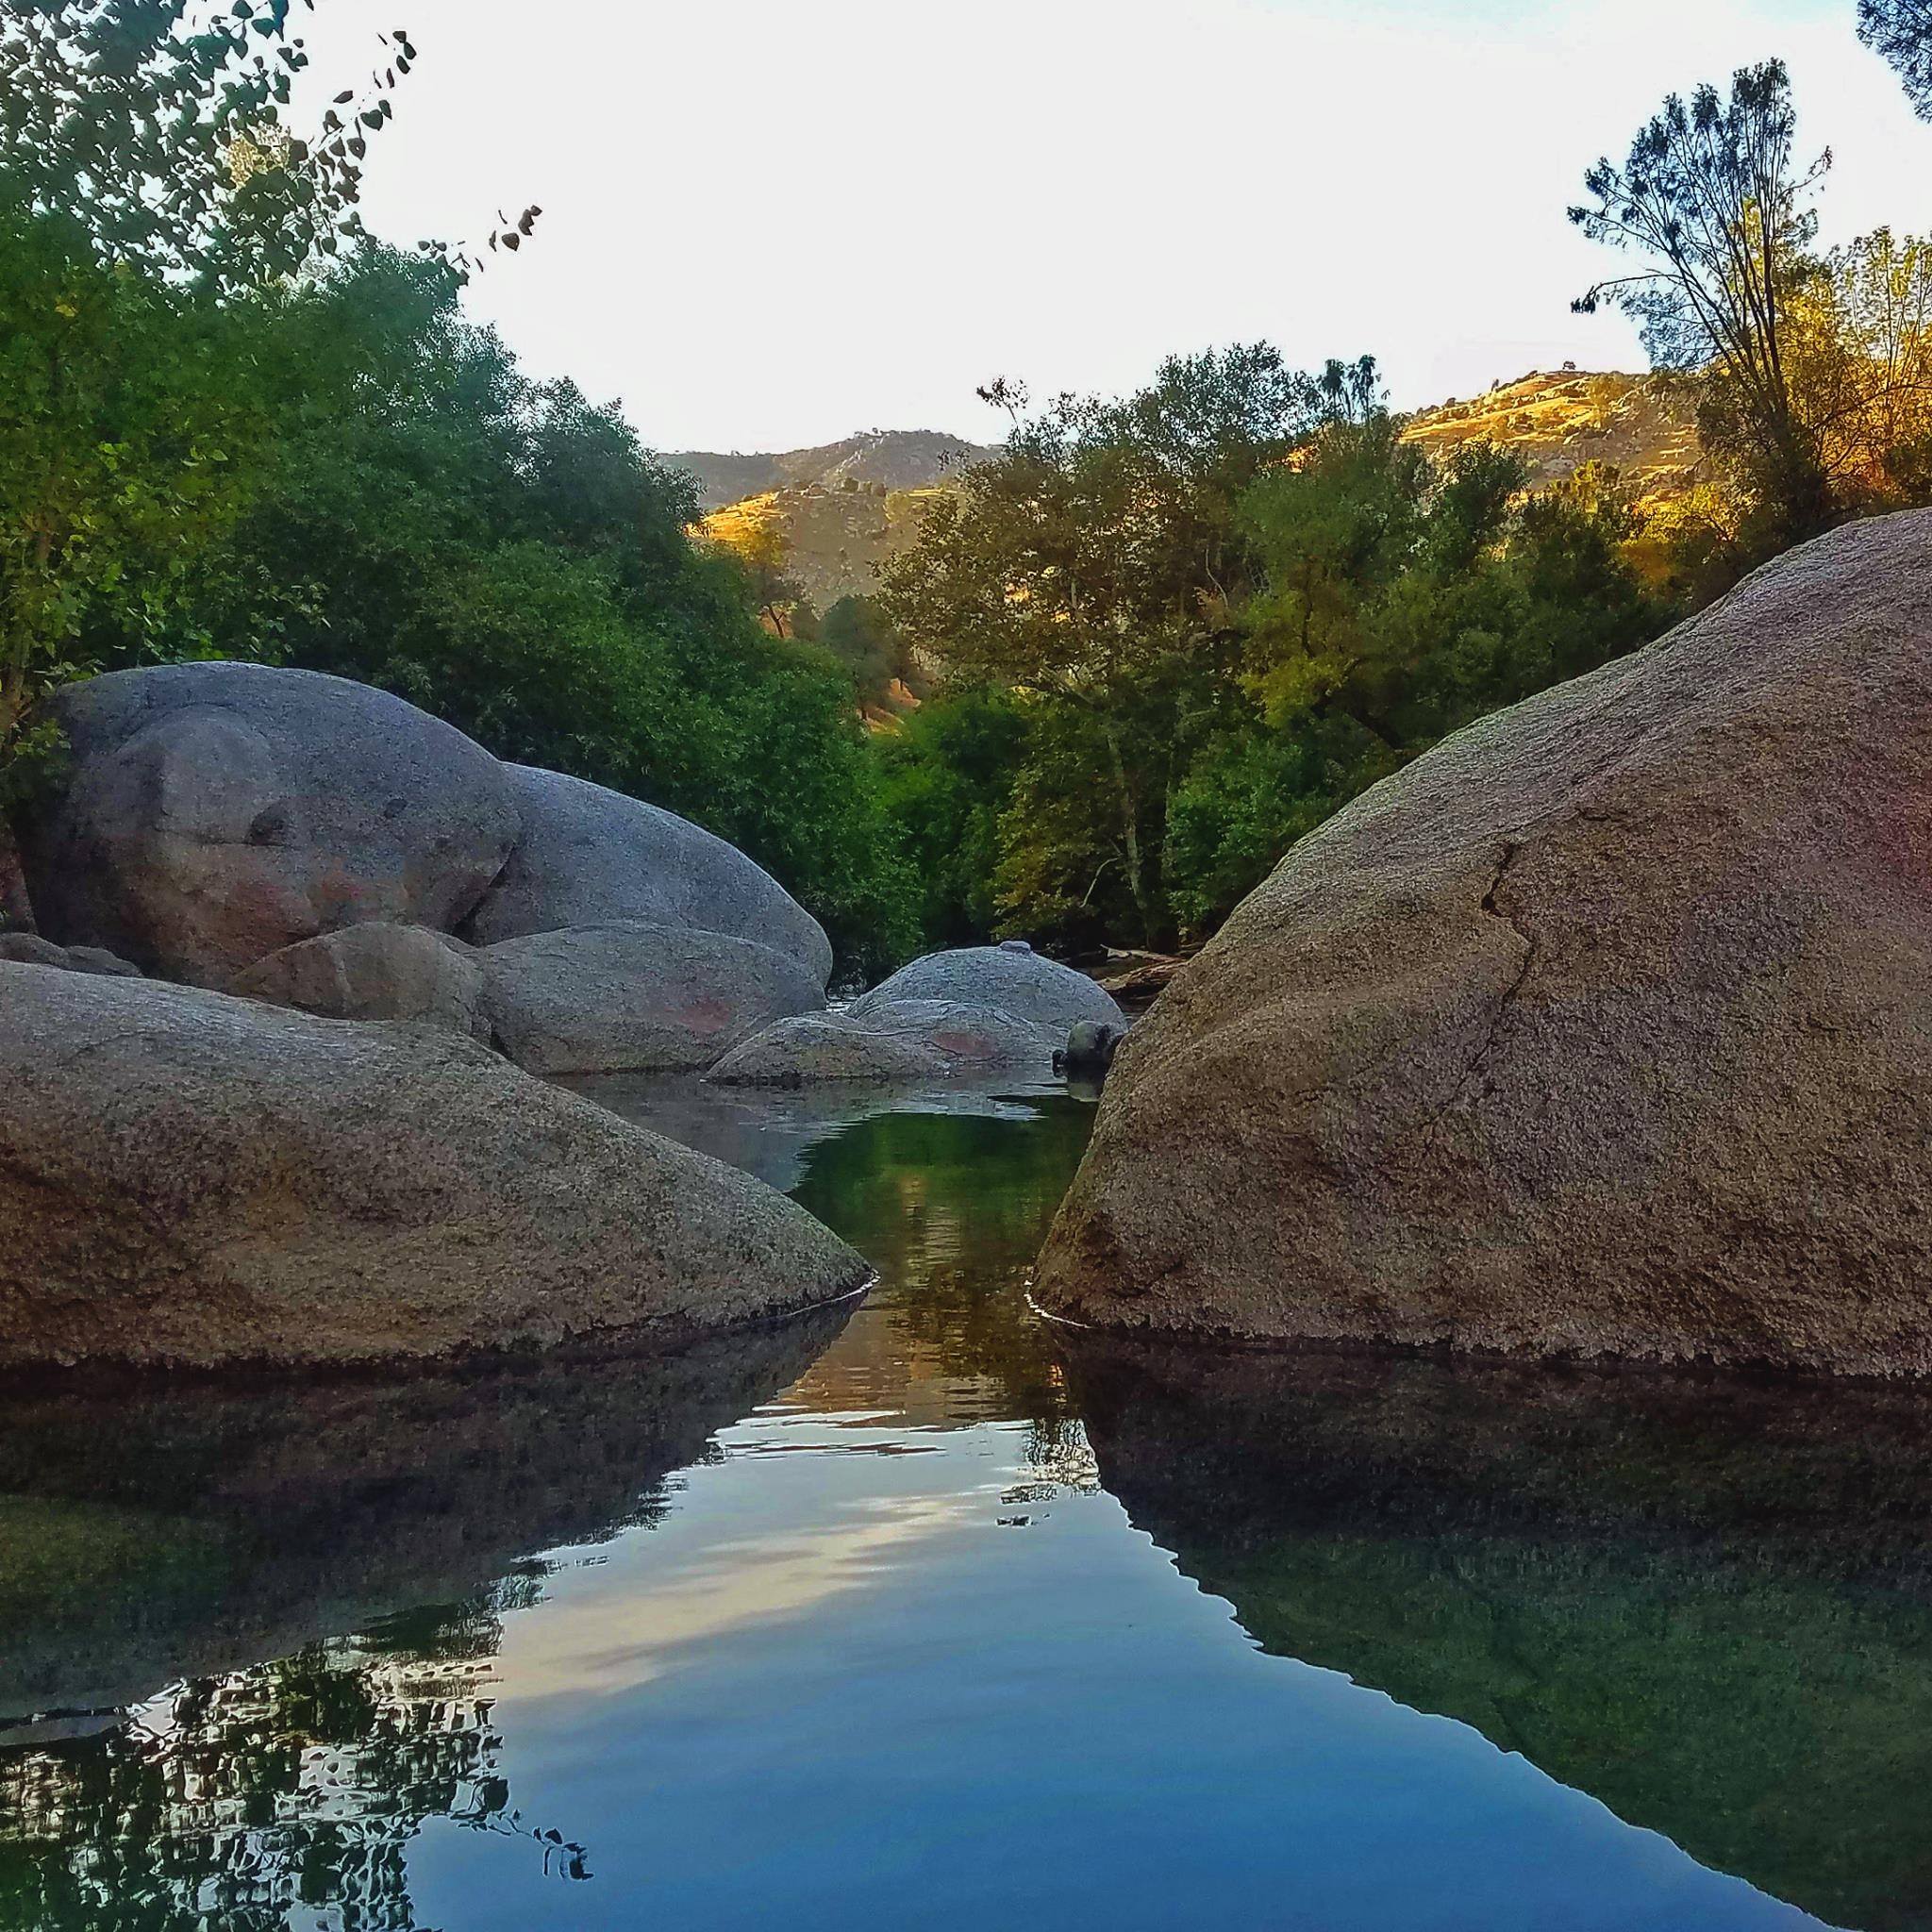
[1130, 835]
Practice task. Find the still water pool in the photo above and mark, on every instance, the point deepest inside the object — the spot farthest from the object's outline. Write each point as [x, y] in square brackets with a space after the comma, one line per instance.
[921, 1614]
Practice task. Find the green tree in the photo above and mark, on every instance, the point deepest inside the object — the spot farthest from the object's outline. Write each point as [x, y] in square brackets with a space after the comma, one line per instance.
[1901, 30]
[1092, 567]
[1712, 199]
[130, 423]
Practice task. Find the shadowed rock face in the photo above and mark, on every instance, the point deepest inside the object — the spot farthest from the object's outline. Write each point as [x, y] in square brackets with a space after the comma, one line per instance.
[1606, 1028]
[149, 1533]
[589, 856]
[217, 813]
[1708, 1604]
[187, 1179]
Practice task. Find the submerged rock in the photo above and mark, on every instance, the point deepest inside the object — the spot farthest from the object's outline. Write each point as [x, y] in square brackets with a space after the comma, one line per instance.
[187, 1179]
[215, 814]
[1012, 978]
[1604, 1028]
[890, 1041]
[589, 856]
[629, 997]
[376, 972]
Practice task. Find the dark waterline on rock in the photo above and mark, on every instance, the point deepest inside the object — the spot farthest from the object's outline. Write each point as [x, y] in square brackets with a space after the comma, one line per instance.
[926, 1614]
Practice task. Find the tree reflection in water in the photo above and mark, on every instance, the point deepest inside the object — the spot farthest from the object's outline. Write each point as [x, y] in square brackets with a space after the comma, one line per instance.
[233, 1802]
[194, 1529]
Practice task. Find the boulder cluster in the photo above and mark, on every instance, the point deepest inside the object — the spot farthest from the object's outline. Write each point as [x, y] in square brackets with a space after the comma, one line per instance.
[201, 1165]
[318, 844]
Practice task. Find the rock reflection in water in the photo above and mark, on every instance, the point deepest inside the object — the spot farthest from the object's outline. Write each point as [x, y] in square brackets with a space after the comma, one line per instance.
[1706, 1604]
[188, 1535]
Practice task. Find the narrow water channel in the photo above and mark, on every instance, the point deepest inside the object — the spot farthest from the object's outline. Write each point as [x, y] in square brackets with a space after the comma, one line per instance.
[922, 1614]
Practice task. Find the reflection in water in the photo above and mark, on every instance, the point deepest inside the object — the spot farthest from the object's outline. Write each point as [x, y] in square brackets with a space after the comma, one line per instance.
[838, 1614]
[192, 1533]
[1708, 1604]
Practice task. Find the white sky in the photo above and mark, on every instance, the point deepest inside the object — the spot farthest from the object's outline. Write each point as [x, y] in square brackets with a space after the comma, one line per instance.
[774, 222]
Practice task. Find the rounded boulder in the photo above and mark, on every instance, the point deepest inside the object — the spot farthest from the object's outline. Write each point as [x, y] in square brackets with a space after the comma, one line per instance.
[214, 813]
[591, 857]
[1604, 1028]
[190, 1179]
[895, 1041]
[1015, 980]
[629, 997]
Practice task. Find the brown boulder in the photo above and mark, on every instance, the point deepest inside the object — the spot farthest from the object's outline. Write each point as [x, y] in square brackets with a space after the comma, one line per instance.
[376, 971]
[631, 997]
[1604, 1028]
[213, 813]
[191, 1179]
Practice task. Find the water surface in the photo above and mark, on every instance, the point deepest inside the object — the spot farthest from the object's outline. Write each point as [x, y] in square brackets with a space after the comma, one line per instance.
[922, 1614]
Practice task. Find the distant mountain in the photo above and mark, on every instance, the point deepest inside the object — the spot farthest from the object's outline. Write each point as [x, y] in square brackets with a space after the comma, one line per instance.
[884, 459]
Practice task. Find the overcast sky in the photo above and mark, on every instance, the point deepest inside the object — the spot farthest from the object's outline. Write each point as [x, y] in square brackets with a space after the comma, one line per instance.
[769, 222]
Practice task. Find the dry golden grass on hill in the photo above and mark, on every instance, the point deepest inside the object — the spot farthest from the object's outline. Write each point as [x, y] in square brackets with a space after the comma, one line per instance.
[1642, 426]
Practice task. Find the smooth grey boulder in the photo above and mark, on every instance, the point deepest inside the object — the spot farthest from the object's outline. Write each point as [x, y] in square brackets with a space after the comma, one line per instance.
[592, 856]
[1604, 1028]
[377, 971]
[897, 1039]
[29, 949]
[629, 997]
[188, 1179]
[1018, 981]
[215, 814]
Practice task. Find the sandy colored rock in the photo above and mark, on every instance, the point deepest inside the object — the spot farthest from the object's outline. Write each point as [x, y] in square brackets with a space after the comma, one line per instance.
[376, 972]
[629, 997]
[894, 1040]
[592, 856]
[1014, 979]
[187, 1179]
[1604, 1028]
[214, 813]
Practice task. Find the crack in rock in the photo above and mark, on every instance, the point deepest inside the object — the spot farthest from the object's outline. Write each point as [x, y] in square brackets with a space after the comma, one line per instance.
[1494, 907]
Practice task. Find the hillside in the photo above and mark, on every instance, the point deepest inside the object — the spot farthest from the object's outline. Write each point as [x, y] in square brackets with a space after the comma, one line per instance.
[842, 511]
[875, 460]
[1642, 426]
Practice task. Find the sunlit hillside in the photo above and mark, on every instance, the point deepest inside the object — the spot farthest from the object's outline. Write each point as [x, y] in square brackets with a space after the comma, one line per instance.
[841, 512]
[1642, 426]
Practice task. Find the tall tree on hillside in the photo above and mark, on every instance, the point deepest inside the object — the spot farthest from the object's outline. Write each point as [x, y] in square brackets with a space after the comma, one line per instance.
[1901, 30]
[1093, 567]
[1712, 196]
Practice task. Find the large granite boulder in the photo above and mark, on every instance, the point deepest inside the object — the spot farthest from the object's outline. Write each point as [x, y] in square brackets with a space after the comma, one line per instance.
[1604, 1028]
[187, 1179]
[593, 856]
[629, 997]
[217, 813]
[892, 1040]
[1013, 979]
[377, 971]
